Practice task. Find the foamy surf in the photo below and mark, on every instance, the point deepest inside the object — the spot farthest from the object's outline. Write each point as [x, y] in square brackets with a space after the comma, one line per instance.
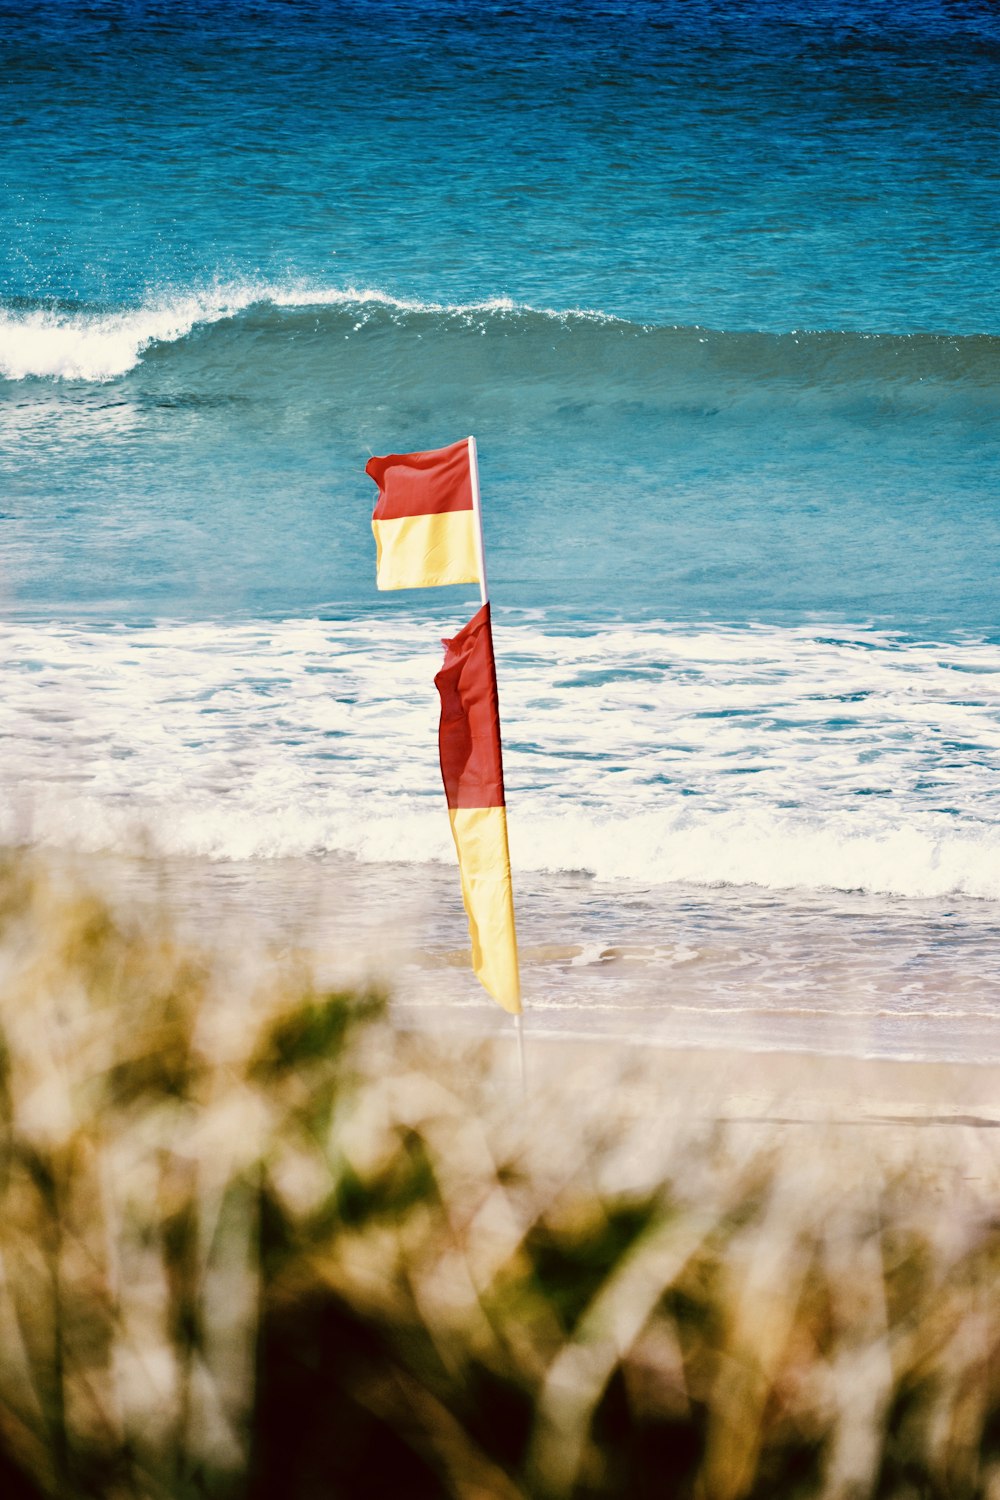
[650, 755]
[97, 346]
[922, 857]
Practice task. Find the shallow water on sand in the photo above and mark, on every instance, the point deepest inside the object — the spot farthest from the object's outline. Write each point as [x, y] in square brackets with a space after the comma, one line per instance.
[675, 965]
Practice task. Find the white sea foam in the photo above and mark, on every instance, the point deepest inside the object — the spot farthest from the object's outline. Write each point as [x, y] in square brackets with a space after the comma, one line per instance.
[764, 757]
[99, 346]
[102, 345]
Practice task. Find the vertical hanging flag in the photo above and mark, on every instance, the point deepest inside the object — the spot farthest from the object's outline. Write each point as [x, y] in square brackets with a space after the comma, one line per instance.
[472, 770]
[425, 525]
[428, 531]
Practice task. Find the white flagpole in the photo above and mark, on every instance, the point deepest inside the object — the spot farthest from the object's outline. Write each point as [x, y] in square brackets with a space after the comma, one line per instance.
[483, 597]
[477, 507]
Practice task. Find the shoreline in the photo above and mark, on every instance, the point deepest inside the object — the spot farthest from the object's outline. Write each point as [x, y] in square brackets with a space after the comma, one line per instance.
[754, 996]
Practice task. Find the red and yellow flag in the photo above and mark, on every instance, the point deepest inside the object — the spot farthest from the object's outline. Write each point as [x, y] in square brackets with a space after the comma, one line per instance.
[472, 769]
[426, 532]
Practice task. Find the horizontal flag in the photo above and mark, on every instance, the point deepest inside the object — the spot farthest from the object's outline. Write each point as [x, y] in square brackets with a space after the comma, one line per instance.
[426, 530]
[472, 770]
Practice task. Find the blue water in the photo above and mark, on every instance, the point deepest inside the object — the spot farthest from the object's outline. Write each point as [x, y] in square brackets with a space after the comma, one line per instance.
[759, 165]
[787, 211]
[714, 285]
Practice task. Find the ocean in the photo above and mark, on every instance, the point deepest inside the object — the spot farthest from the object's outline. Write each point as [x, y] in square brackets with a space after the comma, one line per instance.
[715, 286]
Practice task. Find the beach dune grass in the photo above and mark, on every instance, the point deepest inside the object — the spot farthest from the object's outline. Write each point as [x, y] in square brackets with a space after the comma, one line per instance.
[256, 1240]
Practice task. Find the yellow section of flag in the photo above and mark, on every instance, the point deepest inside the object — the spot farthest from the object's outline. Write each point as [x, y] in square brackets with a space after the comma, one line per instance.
[480, 835]
[419, 552]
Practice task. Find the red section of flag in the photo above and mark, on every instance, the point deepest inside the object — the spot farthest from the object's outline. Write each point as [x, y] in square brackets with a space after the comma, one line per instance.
[469, 735]
[422, 484]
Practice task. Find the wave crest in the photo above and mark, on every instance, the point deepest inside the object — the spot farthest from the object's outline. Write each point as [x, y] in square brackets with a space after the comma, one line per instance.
[700, 366]
[92, 345]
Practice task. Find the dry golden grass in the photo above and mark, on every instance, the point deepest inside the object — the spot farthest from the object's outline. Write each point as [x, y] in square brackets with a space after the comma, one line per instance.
[254, 1240]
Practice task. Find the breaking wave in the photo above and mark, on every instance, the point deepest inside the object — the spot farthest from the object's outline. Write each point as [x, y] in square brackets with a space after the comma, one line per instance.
[923, 858]
[96, 345]
[66, 343]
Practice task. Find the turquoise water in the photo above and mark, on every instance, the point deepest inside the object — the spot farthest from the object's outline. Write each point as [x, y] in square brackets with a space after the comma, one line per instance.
[713, 284]
[785, 215]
